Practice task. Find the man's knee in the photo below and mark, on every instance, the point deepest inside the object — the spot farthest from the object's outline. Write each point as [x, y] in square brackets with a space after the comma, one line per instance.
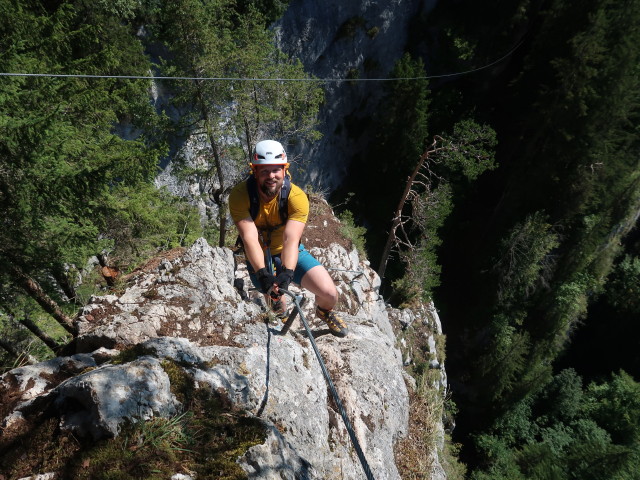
[330, 292]
[318, 281]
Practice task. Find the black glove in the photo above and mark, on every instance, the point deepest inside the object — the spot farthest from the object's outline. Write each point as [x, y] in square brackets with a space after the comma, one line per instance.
[266, 279]
[284, 278]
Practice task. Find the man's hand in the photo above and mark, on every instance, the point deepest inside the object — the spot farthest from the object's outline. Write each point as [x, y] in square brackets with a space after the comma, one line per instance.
[266, 279]
[284, 278]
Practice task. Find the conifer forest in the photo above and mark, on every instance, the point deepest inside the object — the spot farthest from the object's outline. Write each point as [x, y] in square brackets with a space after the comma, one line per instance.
[519, 221]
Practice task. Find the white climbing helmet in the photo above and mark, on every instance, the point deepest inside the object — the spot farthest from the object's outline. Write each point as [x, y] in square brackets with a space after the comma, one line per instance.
[269, 152]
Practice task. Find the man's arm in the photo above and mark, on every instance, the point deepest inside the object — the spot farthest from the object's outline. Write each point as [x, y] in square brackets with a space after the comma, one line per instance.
[290, 241]
[252, 249]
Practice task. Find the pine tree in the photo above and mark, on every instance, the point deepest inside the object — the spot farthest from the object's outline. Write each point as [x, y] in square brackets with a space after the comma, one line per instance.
[60, 158]
[210, 40]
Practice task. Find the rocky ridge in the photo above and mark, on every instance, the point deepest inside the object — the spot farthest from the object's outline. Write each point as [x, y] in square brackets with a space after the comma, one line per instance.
[192, 307]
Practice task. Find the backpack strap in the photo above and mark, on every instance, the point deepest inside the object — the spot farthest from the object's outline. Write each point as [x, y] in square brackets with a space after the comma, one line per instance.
[283, 205]
[254, 198]
[283, 201]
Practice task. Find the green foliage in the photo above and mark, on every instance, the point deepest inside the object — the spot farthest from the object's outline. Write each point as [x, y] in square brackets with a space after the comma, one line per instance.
[422, 270]
[450, 459]
[526, 262]
[212, 39]
[60, 158]
[286, 110]
[400, 129]
[570, 301]
[402, 133]
[353, 232]
[349, 27]
[615, 407]
[373, 32]
[464, 49]
[146, 220]
[506, 361]
[470, 149]
[270, 9]
[77, 156]
[565, 431]
[537, 245]
[25, 347]
[160, 434]
[623, 287]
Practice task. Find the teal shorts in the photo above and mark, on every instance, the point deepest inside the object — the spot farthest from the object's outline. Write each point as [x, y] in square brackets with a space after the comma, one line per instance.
[306, 262]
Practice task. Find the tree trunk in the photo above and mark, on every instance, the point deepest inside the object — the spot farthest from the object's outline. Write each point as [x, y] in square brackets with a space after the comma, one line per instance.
[391, 239]
[37, 331]
[217, 162]
[11, 350]
[35, 291]
[61, 277]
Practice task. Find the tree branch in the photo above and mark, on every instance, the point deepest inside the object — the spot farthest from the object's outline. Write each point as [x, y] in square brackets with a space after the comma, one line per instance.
[35, 291]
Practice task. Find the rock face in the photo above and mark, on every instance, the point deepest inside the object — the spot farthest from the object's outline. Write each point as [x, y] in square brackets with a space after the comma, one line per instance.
[338, 40]
[184, 307]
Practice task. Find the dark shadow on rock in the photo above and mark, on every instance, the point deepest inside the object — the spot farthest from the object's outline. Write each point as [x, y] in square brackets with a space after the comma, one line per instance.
[265, 397]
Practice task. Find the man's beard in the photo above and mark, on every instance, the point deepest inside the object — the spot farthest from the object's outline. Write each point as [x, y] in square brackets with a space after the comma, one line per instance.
[270, 191]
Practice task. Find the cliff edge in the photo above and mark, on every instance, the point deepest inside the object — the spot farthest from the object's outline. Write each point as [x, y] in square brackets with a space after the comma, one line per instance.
[185, 330]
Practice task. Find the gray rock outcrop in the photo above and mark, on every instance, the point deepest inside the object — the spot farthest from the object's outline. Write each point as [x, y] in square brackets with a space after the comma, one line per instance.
[183, 308]
[338, 40]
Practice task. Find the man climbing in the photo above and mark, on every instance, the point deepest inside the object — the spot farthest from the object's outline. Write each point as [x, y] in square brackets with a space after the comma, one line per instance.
[270, 213]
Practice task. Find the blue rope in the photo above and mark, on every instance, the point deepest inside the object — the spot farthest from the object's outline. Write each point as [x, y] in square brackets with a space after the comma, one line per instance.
[334, 392]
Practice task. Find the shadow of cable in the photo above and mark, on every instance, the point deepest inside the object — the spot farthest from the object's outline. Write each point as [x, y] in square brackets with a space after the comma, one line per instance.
[265, 397]
[316, 333]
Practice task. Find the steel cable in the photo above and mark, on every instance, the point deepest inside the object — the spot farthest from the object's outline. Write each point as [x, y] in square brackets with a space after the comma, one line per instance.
[332, 388]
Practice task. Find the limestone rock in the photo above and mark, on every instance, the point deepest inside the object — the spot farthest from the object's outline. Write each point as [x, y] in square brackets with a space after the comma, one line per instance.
[338, 39]
[184, 308]
[96, 403]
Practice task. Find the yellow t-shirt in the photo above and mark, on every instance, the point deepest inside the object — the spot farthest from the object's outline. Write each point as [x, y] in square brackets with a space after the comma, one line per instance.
[268, 213]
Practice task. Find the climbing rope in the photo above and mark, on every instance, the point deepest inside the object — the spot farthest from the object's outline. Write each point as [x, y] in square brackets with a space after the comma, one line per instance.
[332, 388]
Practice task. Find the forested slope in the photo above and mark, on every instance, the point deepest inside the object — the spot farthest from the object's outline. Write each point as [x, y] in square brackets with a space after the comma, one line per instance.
[79, 151]
[529, 247]
[520, 222]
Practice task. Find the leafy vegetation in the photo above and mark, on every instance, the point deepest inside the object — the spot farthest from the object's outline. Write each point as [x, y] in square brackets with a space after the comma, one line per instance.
[567, 431]
[224, 119]
[520, 241]
[530, 246]
[352, 231]
[204, 440]
[78, 156]
[516, 253]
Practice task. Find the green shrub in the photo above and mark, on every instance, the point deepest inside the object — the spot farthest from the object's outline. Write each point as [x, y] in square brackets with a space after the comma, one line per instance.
[353, 232]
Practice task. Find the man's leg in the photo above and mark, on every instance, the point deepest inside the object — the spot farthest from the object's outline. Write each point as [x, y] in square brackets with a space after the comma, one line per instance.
[311, 275]
[319, 282]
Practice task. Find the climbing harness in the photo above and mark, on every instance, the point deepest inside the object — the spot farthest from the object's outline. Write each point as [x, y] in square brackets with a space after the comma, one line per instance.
[332, 388]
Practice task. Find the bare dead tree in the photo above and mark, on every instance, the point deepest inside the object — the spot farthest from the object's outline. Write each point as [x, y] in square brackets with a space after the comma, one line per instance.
[398, 236]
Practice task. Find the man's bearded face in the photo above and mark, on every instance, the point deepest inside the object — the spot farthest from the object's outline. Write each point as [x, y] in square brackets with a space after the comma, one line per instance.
[270, 179]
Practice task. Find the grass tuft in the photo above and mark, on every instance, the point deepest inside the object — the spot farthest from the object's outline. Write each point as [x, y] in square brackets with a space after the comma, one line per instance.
[204, 442]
